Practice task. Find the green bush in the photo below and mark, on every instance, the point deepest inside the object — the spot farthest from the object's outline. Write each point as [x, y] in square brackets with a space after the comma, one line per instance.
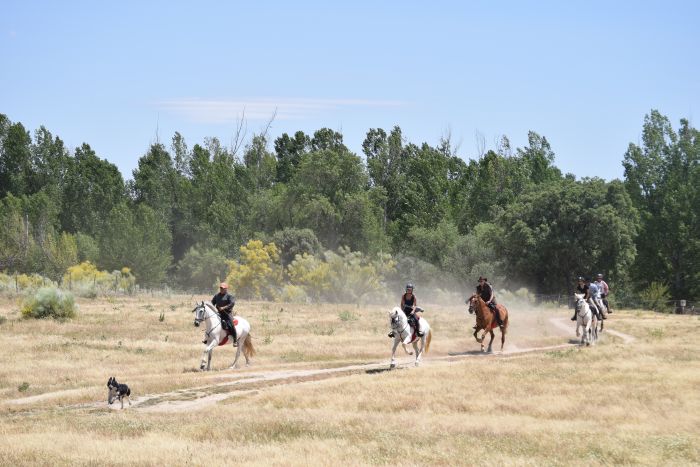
[49, 302]
[656, 297]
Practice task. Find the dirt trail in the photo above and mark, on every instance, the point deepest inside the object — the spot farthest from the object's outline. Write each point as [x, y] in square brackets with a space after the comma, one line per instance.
[239, 384]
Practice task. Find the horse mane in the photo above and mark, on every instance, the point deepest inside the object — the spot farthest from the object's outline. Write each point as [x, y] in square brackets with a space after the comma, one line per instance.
[212, 308]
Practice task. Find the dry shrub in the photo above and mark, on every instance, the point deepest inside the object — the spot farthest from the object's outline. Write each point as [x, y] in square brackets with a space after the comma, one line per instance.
[49, 302]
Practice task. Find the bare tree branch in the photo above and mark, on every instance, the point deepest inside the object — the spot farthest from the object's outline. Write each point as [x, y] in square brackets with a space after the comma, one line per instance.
[269, 124]
[480, 140]
[240, 134]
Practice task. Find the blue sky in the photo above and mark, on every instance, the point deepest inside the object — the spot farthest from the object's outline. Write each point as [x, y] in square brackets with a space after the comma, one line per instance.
[582, 73]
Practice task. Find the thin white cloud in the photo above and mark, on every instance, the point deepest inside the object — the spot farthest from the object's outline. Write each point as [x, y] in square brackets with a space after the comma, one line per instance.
[229, 110]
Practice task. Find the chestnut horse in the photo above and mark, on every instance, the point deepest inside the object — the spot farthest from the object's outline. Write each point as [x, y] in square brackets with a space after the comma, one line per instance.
[486, 320]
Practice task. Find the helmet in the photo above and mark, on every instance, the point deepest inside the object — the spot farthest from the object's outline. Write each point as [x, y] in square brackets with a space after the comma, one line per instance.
[223, 285]
[580, 279]
[599, 276]
[482, 278]
[409, 286]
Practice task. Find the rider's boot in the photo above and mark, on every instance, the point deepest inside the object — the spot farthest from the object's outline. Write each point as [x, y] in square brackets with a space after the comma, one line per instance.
[573, 318]
[419, 333]
[391, 334]
[233, 333]
[498, 317]
[205, 340]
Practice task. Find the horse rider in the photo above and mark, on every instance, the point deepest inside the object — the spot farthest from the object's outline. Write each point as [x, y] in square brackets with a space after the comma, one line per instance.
[485, 291]
[409, 304]
[595, 300]
[604, 290]
[224, 303]
[584, 289]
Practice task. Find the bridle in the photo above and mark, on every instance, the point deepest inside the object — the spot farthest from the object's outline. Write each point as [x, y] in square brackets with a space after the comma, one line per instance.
[205, 314]
[396, 322]
[471, 305]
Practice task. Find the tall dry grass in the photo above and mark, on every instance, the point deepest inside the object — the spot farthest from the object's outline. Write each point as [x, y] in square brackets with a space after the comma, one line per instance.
[616, 403]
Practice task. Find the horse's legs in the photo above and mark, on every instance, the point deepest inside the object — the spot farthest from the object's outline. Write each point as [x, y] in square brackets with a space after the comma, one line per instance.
[493, 336]
[405, 349]
[475, 336]
[503, 336]
[241, 342]
[393, 352]
[419, 353]
[207, 354]
[238, 354]
[242, 345]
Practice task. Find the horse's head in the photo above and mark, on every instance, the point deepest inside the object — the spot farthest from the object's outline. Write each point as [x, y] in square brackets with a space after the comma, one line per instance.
[199, 313]
[578, 297]
[471, 302]
[395, 316]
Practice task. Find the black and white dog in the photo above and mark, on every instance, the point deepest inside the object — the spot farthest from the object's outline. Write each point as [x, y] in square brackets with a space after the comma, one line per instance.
[117, 391]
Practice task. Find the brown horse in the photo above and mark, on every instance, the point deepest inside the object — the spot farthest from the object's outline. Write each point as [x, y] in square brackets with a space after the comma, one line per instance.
[486, 320]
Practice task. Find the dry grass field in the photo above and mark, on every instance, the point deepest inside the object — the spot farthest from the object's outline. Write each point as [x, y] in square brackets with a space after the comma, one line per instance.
[317, 393]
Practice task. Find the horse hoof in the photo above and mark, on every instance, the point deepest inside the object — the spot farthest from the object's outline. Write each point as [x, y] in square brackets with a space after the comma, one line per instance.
[392, 366]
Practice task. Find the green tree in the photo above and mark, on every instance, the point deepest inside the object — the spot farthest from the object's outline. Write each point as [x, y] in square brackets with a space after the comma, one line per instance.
[139, 239]
[15, 159]
[663, 180]
[555, 232]
[288, 151]
[92, 187]
[200, 269]
[292, 242]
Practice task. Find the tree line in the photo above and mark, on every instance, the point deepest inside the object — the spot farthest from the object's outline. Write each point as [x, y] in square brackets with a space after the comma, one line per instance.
[509, 214]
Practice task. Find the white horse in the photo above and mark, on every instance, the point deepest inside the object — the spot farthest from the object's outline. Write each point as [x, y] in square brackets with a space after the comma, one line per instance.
[404, 334]
[585, 318]
[216, 335]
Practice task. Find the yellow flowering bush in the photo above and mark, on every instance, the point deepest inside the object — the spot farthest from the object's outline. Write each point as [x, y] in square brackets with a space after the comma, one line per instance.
[259, 273]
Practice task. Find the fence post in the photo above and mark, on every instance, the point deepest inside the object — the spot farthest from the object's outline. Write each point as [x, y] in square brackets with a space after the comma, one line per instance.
[680, 307]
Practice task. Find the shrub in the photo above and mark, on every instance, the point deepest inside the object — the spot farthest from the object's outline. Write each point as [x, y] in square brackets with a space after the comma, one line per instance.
[201, 268]
[293, 294]
[259, 274]
[656, 297]
[87, 281]
[49, 302]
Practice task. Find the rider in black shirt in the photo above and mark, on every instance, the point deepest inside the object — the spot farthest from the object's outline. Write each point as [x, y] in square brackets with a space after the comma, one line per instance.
[409, 304]
[485, 291]
[224, 303]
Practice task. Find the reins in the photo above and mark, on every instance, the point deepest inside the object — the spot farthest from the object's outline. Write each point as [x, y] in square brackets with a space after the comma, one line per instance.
[208, 313]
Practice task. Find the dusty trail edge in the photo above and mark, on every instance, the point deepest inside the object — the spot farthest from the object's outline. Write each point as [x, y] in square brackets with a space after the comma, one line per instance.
[239, 385]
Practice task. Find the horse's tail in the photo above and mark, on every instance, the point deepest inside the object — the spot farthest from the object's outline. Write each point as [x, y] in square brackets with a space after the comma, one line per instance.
[428, 339]
[248, 349]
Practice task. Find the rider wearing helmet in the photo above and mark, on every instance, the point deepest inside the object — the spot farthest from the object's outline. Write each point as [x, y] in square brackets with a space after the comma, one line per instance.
[409, 304]
[594, 299]
[604, 291]
[224, 303]
[485, 291]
